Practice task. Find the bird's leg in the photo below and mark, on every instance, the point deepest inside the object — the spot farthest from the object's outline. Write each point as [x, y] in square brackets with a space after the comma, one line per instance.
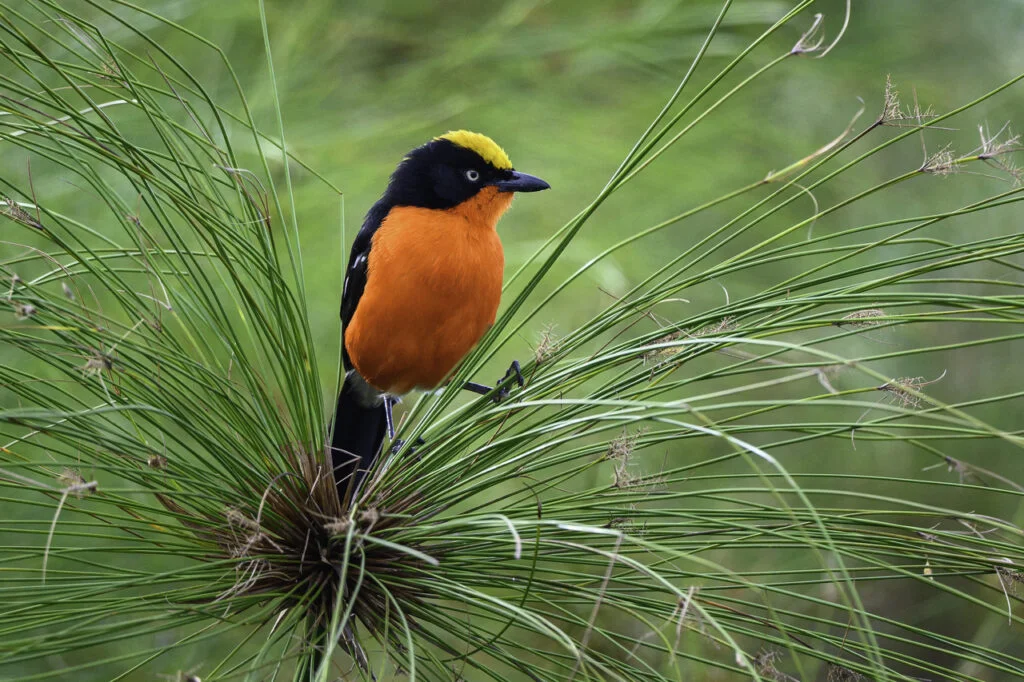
[474, 387]
[396, 445]
[389, 402]
[514, 372]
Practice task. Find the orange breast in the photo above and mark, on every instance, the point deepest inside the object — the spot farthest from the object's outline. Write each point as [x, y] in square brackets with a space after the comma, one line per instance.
[433, 288]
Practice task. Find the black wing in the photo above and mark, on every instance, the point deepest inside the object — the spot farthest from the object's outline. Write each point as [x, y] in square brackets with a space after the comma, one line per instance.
[355, 275]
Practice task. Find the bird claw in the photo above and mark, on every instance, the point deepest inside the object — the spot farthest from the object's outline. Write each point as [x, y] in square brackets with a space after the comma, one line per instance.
[397, 445]
[500, 390]
[514, 371]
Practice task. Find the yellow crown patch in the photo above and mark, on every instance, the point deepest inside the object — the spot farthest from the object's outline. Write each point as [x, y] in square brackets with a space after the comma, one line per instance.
[487, 148]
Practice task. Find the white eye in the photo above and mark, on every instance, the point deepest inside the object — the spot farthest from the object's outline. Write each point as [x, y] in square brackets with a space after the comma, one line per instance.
[472, 175]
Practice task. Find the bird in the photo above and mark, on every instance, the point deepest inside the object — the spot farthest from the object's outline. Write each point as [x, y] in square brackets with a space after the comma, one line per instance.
[422, 287]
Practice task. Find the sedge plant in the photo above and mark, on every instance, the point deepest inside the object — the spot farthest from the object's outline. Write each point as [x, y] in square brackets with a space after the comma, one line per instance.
[638, 510]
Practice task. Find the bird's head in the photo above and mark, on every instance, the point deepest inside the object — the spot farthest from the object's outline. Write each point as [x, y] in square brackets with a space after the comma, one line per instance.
[454, 168]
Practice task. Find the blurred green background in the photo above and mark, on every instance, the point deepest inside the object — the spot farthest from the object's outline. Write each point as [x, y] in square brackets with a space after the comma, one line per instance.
[567, 87]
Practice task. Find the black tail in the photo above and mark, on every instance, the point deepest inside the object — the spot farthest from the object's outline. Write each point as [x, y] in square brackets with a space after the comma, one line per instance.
[358, 435]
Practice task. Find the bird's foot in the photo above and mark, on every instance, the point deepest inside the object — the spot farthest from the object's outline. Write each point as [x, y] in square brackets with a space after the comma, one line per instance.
[513, 372]
[501, 389]
[396, 446]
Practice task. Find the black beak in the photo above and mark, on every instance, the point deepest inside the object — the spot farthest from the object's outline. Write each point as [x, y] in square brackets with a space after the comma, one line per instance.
[521, 182]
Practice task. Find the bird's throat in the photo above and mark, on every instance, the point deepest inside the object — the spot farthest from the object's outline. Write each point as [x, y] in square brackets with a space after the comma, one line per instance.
[484, 208]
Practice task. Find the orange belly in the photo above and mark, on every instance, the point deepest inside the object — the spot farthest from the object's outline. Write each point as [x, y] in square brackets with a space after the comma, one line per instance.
[433, 288]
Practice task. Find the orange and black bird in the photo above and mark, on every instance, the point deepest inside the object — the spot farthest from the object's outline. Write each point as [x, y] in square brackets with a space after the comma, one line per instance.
[423, 285]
